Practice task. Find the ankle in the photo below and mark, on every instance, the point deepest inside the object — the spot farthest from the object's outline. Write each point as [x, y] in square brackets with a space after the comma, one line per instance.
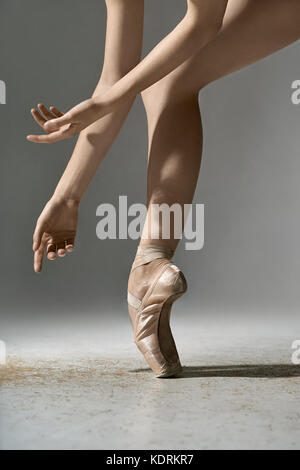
[141, 277]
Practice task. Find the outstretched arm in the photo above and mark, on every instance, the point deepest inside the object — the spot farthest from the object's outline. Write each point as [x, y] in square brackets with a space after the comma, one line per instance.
[201, 23]
[56, 227]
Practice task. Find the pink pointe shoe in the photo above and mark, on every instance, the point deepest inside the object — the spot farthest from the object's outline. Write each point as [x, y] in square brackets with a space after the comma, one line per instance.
[150, 316]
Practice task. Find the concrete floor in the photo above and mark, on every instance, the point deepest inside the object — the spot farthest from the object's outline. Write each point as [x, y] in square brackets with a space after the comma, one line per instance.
[80, 384]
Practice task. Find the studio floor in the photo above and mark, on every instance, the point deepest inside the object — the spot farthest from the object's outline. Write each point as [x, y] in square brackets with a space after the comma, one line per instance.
[81, 384]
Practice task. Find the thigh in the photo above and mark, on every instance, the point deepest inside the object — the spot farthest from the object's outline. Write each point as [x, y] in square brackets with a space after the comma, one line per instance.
[252, 30]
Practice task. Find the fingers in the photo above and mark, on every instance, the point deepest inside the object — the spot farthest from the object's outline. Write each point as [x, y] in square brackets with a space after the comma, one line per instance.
[61, 249]
[38, 258]
[45, 112]
[70, 244]
[51, 251]
[38, 246]
[38, 234]
[57, 124]
[42, 115]
[56, 111]
[37, 117]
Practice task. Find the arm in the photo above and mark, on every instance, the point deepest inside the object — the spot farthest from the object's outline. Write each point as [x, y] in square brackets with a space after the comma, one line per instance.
[56, 226]
[201, 23]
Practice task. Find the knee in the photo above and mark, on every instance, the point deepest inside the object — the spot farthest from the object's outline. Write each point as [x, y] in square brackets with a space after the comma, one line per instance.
[152, 97]
[167, 93]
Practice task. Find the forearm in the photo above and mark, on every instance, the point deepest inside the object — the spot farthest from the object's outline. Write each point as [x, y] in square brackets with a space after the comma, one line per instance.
[90, 150]
[124, 32]
[201, 22]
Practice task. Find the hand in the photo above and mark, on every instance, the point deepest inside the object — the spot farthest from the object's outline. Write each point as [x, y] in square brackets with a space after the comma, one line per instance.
[59, 126]
[55, 230]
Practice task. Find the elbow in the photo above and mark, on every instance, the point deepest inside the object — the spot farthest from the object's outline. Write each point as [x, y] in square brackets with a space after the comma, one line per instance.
[206, 16]
[212, 29]
[203, 31]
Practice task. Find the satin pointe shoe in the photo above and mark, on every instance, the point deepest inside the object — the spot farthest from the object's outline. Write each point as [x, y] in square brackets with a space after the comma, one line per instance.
[150, 315]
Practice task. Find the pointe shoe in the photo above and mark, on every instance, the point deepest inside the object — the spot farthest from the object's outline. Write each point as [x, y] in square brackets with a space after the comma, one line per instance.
[150, 316]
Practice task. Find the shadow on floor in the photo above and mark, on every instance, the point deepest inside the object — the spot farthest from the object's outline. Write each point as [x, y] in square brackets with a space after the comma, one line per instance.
[239, 370]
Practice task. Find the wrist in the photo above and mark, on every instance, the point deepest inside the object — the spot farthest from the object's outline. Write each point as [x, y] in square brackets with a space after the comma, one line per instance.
[114, 96]
[65, 197]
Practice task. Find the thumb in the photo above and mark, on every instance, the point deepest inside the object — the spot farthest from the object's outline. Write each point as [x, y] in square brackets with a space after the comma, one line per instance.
[38, 234]
[56, 124]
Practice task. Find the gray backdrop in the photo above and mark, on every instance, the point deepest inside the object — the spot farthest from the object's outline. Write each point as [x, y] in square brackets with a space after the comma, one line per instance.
[249, 181]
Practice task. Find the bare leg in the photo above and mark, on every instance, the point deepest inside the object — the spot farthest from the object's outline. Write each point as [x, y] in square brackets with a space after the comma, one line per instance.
[252, 30]
[175, 148]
